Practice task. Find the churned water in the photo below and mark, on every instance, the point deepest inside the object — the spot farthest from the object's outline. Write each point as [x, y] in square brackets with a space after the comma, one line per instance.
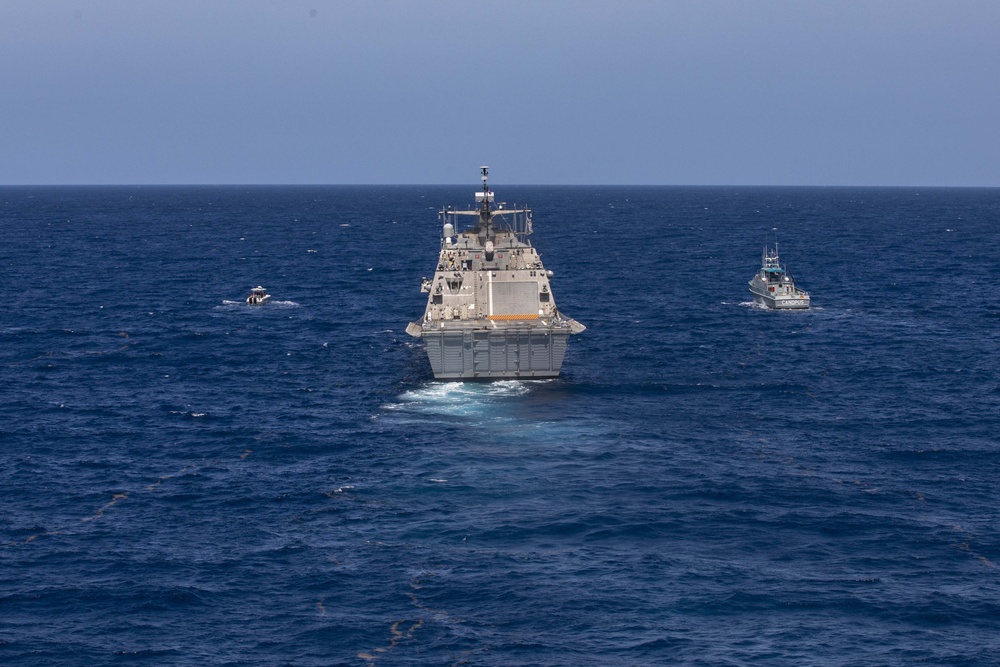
[187, 480]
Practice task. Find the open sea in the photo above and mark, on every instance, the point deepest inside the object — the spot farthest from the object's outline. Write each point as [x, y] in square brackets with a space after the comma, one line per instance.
[187, 480]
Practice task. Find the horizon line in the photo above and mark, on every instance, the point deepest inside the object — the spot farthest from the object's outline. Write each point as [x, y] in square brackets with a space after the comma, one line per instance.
[424, 185]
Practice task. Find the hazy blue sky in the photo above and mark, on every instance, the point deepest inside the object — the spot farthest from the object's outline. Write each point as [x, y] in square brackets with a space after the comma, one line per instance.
[855, 92]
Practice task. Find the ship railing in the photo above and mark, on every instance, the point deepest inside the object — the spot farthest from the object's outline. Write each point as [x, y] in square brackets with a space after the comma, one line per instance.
[515, 220]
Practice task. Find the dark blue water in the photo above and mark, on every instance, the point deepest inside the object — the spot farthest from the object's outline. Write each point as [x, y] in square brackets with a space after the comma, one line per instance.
[187, 480]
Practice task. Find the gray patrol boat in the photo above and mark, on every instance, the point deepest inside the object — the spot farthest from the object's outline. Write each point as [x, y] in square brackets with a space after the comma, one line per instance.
[773, 285]
[490, 311]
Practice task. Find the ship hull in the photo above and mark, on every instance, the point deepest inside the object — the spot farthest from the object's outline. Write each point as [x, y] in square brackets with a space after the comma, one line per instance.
[495, 354]
[796, 302]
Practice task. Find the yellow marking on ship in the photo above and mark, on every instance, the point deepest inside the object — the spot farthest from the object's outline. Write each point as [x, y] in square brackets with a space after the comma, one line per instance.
[512, 318]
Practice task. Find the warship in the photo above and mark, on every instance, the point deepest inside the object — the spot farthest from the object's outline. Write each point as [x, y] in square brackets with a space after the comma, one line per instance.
[490, 310]
[773, 285]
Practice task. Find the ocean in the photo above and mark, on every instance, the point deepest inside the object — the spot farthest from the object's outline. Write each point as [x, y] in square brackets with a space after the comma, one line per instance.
[188, 480]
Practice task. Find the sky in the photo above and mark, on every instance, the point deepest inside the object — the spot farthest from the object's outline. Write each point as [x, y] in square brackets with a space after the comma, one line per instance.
[681, 92]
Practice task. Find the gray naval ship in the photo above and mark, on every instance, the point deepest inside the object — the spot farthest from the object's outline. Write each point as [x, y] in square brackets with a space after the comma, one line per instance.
[490, 310]
[773, 285]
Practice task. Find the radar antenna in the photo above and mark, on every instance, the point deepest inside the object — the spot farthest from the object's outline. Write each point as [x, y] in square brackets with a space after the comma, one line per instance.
[484, 212]
[486, 191]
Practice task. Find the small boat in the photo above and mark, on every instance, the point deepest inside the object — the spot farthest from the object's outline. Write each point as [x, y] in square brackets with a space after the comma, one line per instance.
[773, 285]
[258, 296]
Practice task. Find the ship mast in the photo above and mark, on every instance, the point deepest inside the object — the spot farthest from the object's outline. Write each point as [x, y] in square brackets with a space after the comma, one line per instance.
[485, 210]
[485, 215]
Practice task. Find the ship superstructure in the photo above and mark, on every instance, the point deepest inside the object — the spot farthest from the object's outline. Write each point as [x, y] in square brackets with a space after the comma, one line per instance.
[490, 309]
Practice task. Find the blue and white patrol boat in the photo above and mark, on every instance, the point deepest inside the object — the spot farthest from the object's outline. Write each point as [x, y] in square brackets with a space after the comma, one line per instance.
[774, 287]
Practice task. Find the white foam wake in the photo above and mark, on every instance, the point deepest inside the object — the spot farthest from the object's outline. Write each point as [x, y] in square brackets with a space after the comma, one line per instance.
[457, 398]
